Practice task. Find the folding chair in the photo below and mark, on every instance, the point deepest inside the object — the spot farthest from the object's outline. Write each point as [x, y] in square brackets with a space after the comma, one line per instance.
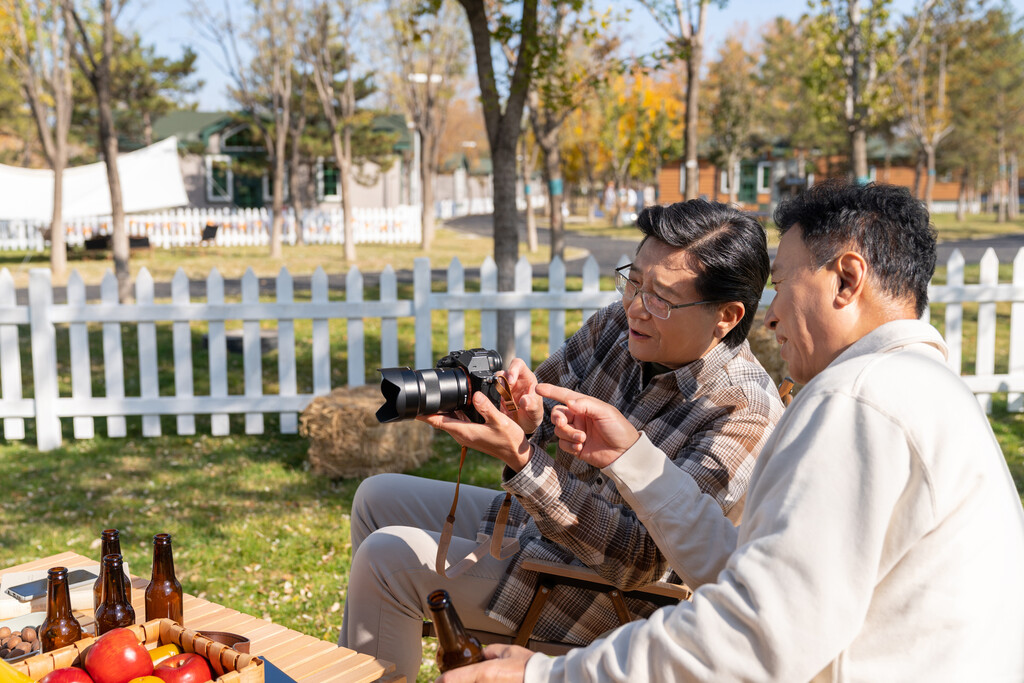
[209, 233]
[552, 574]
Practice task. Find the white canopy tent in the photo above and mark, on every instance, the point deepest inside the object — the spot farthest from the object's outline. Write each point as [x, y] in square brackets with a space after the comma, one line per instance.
[150, 180]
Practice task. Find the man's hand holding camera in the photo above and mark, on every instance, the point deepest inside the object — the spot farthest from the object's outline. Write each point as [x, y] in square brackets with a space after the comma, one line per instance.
[498, 436]
[503, 434]
[523, 384]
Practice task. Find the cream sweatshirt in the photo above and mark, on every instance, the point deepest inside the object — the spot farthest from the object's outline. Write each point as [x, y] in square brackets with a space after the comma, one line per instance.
[882, 540]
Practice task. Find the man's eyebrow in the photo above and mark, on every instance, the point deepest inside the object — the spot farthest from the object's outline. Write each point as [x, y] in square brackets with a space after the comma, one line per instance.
[653, 284]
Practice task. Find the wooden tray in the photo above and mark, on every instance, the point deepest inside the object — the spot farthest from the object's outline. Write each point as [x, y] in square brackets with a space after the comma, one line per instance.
[230, 666]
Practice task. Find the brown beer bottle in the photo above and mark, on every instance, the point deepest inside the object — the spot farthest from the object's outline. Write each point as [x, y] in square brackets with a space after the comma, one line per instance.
[60, 628]
[110, 545]
[455, 647]
[114, 611]
[163, 596]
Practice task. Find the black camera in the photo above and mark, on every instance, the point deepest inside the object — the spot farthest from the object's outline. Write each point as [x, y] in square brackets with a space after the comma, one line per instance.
[446, 388]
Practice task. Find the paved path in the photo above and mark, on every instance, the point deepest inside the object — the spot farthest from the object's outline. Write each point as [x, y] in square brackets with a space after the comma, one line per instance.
[606, 250]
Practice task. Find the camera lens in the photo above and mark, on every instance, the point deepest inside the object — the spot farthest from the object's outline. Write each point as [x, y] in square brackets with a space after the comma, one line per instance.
[408, 393]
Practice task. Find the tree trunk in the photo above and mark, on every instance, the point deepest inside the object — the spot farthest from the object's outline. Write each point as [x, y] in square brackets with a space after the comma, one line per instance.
[616, 206]
[531, 217]
[294, 188]
[693, 101]
[277, 203]
[58, 247]
[119, 240]
[280, 150]
[961, 203]
[1014, 193]
[25, 156]
[731, 179]
[859, 146]
[591, 205]
[504, 125]
[553, 172]
[929, 183]
[506, 238]
[855, 96]
[546, 129]
[919, 170]
[1002, 181]
[428, 155]
[147, 128]
[343, 156]
[108, 143]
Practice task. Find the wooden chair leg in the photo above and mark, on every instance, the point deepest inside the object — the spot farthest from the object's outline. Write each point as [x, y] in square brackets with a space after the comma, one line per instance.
[621, 611]
[530, 620]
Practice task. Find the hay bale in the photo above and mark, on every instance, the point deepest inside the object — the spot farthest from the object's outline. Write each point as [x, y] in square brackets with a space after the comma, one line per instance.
[766, 349]
[347, 441]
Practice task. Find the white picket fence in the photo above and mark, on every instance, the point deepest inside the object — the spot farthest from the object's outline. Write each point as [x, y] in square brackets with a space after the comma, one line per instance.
[41, 320]
[236, 227]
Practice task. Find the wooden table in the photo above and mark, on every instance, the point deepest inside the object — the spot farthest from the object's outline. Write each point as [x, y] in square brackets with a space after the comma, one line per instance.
[304, 658]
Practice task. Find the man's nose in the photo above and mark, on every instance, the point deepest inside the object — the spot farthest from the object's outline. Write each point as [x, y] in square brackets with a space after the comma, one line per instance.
[636, 308]
[770, 319]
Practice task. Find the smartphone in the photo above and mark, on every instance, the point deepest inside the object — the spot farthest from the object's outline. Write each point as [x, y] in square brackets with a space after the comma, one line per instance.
[37, 589]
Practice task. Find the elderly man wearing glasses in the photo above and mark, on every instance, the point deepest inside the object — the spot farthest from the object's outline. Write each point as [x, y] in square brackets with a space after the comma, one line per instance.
[672, 356]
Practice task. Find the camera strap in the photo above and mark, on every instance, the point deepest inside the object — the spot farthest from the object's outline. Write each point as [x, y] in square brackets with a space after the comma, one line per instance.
[496, 544]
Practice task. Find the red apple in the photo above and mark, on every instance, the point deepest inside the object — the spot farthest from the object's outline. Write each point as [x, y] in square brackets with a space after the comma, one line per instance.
[117, 657]
[187, 667]
[70, 674]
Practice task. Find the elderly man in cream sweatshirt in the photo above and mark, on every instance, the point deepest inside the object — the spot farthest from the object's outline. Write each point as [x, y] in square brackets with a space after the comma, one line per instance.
[882, 537]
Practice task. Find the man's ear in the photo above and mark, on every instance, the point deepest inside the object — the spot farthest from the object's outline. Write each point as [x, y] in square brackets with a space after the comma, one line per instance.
[852, 270]
[729, 316]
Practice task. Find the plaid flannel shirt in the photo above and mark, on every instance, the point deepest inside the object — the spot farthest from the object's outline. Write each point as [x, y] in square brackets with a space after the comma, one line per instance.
[711, 417]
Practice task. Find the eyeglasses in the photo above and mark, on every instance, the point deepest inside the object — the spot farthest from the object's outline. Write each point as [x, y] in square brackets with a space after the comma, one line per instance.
[654, 304]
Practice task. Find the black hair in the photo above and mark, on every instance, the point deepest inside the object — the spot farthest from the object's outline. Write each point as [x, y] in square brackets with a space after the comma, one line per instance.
[884, 223]
[728, 248]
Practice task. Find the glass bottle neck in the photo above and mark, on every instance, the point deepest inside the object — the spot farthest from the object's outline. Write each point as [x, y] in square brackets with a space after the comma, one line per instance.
[58, 598]
[448, 626]
[111, 545]
[163, 562]
[113, 583]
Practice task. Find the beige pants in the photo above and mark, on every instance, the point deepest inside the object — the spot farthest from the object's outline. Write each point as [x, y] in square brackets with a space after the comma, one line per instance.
[396, 524]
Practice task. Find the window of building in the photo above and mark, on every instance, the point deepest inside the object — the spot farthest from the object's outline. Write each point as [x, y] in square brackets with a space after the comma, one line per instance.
[764, 177]
[240, 138]
[327, 189]
[746, 193]
[219, 179]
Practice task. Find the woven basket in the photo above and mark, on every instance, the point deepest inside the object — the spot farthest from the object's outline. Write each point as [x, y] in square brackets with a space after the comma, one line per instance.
[229, 665]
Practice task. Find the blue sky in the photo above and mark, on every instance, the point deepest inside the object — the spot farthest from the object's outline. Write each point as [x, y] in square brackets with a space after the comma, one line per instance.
[166, 24]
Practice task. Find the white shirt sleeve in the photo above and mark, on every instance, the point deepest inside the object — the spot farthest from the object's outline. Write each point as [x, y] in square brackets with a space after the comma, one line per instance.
[687, 525]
